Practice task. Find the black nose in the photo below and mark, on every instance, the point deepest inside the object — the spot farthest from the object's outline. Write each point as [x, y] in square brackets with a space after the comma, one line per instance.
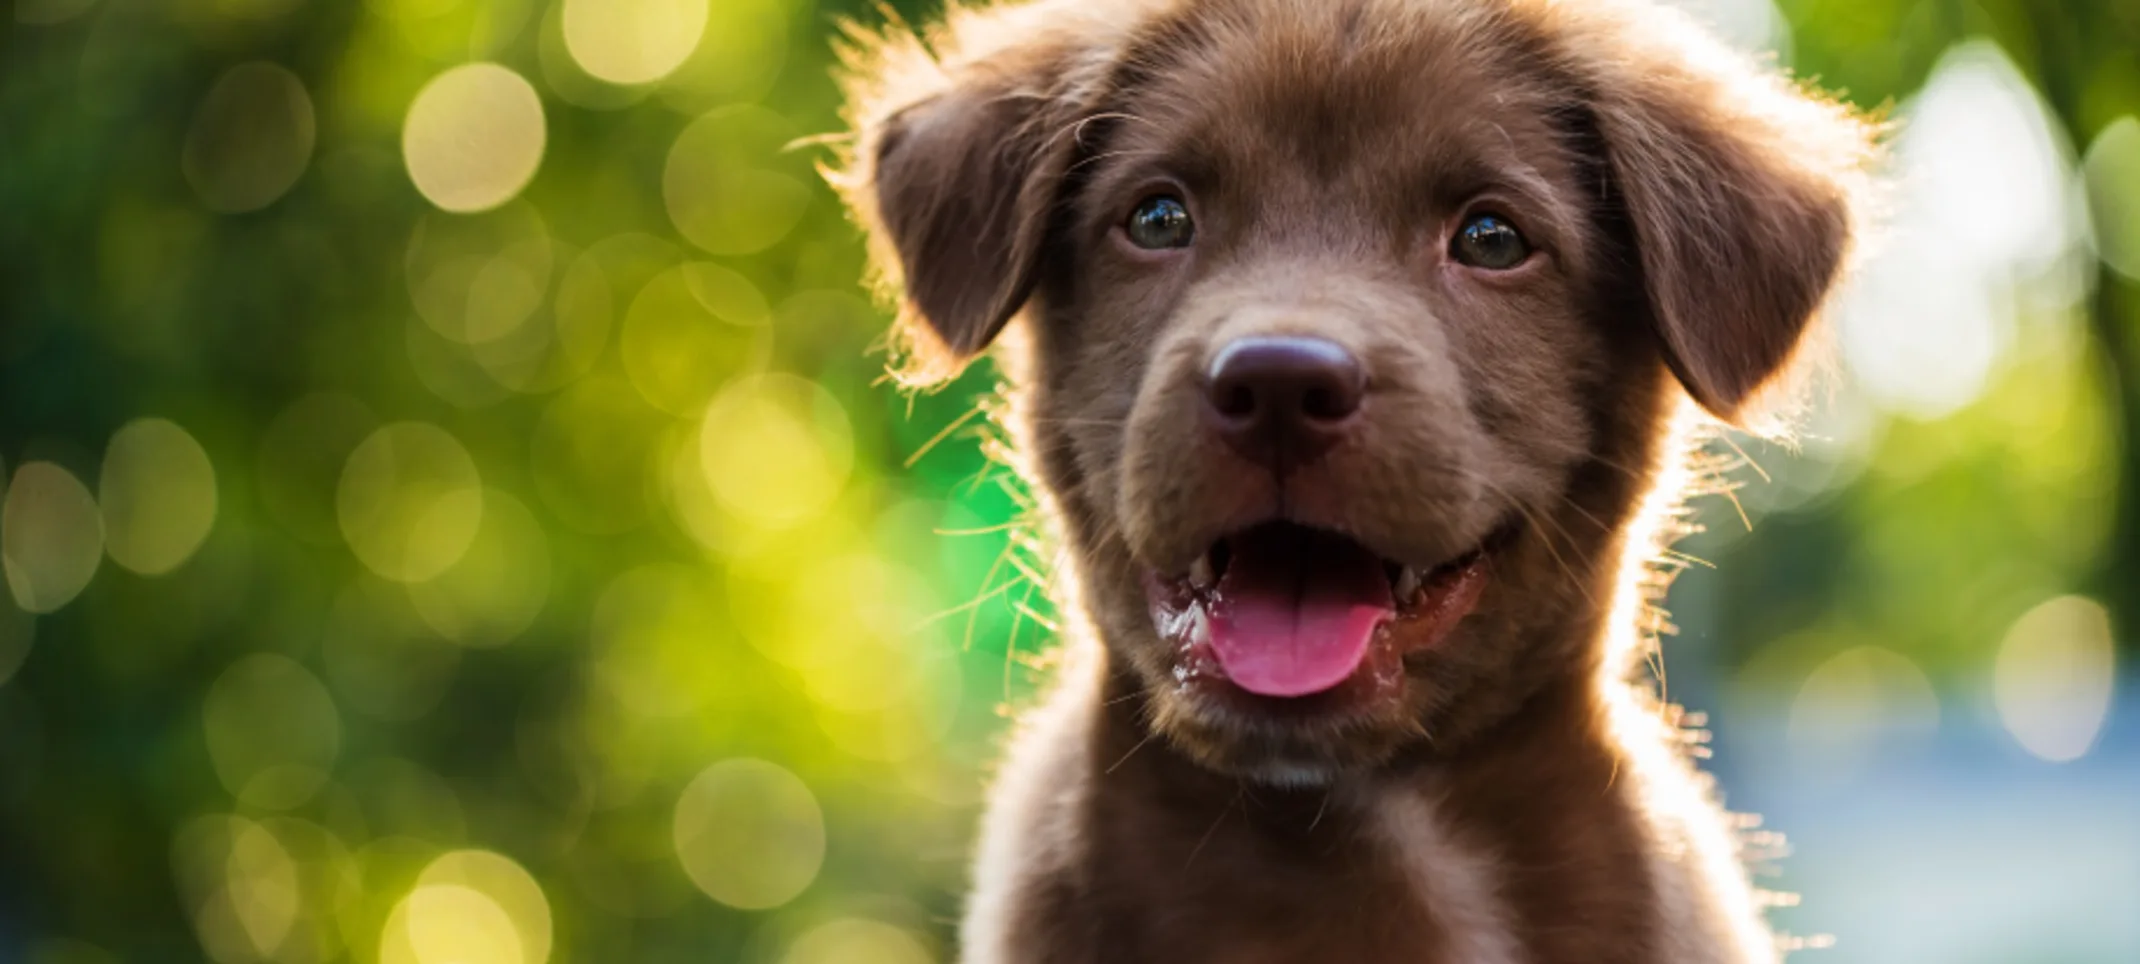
[1283, 401]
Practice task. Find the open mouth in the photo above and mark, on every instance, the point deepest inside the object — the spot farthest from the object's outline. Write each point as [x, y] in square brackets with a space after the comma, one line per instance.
[1285, 610]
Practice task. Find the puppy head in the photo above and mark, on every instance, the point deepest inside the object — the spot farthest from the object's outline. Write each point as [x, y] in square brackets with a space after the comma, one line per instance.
[1353, 325]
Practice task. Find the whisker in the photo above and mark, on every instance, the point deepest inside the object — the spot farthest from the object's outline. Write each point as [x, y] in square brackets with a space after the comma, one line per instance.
[1206, 838]
[1149, 736]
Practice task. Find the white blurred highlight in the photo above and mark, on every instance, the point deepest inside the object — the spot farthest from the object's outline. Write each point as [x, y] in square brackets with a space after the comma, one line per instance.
[1984, 239]
[473, 137]
[632, 41]
[2054, 675]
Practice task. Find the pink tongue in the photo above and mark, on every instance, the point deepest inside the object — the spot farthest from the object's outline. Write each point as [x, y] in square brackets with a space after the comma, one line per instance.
[1296, 610]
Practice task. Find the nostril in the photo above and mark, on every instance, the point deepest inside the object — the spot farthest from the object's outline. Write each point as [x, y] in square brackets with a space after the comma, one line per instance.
[1283, 399]
[1321, 403]
[1285, 378]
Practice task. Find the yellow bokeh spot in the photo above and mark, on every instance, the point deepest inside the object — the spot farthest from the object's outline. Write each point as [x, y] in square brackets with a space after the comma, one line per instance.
[507, 885]
[749, 833]
[559, 346]
[51, 537]
[590, 453]
[776, 449]
[272, 731]
[690, 330]
[860, 655]
[719, 189]
[473, 137]
[1859, 699]
[655, 635]
[564, 77]
[158, 496]
[413, 9]
[410, 501]
[251, 138]
[498, 587]
[450, 924]
[2054, 675]
[857, 941]
[478, 279]
[632, 41]
[2112, 174]
[244, 886]
[737, 60]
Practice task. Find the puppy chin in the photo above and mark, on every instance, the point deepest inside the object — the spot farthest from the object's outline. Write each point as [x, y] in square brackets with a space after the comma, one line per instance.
[1289, 750]
[1278, 760]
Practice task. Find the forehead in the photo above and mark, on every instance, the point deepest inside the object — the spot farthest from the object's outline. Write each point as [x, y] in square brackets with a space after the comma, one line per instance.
[1440, 97]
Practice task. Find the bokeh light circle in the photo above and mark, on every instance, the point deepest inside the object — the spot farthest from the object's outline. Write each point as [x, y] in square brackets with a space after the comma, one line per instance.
[51, 537]
[749, 833]
[690, 330]
[2054, 675]
[2112, 173]
[158, 496]
[496, 589]
[243, 885]
[450, 924]
[590, 453]
[739, 57]
[251, 138]
[474, 137]
[632, 41]
[505, 884]
[776, 449]
[863, 655]
[1859, 700]
[561, 345]
[857, 940]
[272, 730]
[410, 501]
[720, 186]
[476, 279]
[661, 644]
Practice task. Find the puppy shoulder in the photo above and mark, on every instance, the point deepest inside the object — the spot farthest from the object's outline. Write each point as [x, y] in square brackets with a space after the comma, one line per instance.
[1025, 864]
[1708, 910]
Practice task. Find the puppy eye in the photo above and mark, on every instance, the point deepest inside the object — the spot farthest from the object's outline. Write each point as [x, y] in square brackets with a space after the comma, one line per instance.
[1489, 242]
[1160, 221]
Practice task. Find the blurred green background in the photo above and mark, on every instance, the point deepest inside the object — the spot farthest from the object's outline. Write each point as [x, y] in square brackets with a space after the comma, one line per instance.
[453, 512]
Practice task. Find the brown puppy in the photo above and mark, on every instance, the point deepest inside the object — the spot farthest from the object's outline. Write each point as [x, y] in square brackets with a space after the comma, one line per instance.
[1353, 342]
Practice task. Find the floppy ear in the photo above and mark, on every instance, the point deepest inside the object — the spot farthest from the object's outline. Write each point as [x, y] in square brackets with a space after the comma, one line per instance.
[1742, 193]
[958, 164]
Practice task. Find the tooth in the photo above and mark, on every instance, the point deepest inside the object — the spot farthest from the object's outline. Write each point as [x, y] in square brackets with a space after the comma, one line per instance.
[1407, 584]
[1200, 572]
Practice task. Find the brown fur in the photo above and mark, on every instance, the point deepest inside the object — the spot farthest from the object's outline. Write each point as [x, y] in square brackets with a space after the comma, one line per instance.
[1518, 800]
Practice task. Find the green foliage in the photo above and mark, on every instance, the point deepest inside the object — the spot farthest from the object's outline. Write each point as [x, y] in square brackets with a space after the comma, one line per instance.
[581, 528]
